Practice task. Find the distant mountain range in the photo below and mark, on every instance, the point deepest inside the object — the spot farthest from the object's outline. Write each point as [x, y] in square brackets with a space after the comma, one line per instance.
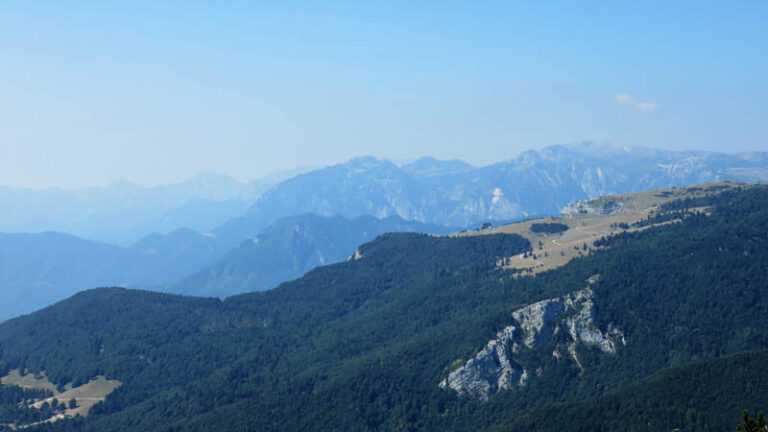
[446, 193]
[123, 212]
[454, 193]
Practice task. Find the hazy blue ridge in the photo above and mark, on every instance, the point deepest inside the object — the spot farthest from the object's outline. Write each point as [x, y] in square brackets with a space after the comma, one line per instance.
[289, 248]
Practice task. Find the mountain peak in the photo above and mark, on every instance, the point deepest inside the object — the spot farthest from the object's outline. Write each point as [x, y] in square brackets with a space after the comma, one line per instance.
[365, 162]
[430, 166]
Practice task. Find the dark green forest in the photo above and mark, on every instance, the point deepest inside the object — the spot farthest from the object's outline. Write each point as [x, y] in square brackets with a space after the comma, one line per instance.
[701, 396]
[549, 227]
[12, 405]
[362, 345]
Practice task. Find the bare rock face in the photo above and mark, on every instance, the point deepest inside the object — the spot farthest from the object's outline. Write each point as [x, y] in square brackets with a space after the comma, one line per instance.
[491, 370]
[537, 321]
[356, 255]
[581, 326]
[594, 206]
[573, 316]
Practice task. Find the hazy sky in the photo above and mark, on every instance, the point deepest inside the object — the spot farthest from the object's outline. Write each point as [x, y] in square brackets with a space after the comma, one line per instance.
[154, 91]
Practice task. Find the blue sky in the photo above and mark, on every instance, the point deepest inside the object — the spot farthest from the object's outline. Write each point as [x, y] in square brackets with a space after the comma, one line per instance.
[155, 91]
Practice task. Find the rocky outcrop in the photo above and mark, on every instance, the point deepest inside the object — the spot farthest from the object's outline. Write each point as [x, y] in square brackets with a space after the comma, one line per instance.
[491, 370]
[571, 318]
[582, 326]
[537, 320]
[356, 255]
[601, 206]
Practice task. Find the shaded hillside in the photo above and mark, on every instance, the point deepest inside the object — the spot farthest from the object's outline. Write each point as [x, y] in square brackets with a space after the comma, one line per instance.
[721, 388]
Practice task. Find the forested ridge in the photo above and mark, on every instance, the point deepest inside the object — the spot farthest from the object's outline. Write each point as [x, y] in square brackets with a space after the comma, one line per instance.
[700, 396]
[362, 345]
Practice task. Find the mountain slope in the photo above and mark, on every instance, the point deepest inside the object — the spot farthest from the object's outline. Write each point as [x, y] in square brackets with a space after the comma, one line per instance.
[451, 193]
[365, 344]
[289, 248]
[663, 400]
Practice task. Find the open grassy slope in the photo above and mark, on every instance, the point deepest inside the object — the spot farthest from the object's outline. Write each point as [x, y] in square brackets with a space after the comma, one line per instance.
[588, 221]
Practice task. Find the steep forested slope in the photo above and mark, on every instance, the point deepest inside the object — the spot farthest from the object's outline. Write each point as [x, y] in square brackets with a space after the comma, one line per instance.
[702, 396]
[363, 345]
